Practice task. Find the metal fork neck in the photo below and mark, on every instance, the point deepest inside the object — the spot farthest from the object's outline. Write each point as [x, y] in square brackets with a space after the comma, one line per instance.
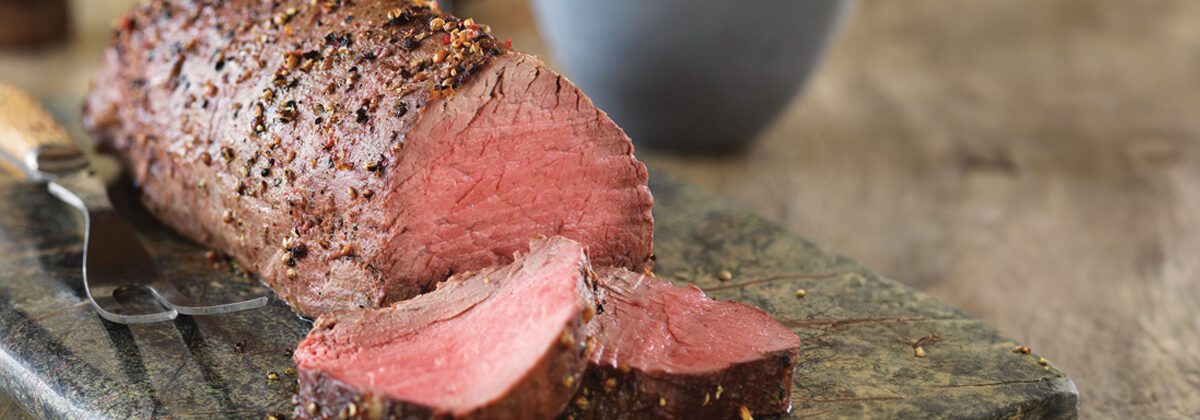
[81, 190]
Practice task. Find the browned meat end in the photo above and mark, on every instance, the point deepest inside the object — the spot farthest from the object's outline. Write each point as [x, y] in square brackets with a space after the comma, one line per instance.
[663, 351]
[504, 342]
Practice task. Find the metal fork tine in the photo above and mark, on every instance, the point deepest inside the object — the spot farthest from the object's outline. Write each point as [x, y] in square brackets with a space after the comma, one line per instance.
[170, 296]
[205, 309]
[137, 319]
[113, 256]
[100, 302]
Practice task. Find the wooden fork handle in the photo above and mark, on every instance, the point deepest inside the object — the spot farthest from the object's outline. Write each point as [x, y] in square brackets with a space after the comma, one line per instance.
[32, 145]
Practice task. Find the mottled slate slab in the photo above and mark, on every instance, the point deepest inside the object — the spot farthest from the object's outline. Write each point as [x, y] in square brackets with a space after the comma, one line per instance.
[860, 331]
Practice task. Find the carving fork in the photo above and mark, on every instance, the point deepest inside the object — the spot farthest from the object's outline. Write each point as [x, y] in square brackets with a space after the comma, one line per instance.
[38, 150]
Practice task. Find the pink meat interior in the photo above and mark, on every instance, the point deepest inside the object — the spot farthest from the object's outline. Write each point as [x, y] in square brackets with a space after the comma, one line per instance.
[652, 325]
[519, 152]
[463, 345]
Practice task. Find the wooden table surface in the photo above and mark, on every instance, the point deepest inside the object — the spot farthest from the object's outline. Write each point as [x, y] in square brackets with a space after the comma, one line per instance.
[1034, 162]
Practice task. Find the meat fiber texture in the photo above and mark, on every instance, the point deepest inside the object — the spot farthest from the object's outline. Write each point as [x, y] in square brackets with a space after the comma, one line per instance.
[504, 342]
[663, 351]
[356, 153]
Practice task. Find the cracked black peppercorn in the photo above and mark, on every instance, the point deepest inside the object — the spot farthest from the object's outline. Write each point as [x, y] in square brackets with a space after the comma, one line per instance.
[299, 251]
[410, 43]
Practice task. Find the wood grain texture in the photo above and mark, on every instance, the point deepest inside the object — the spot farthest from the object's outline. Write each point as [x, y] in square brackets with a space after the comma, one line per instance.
[1034, 162]
[30, 139]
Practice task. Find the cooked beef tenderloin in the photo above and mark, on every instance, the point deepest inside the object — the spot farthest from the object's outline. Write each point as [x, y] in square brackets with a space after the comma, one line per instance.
[503, 342]
[354, 153]
[663, 351]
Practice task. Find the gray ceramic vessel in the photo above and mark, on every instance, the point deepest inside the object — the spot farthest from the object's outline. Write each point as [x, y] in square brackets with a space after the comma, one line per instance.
[693, 76]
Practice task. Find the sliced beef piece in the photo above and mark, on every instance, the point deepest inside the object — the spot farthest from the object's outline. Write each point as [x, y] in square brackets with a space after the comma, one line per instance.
[503, 342]
[356, 153]
[663, 351]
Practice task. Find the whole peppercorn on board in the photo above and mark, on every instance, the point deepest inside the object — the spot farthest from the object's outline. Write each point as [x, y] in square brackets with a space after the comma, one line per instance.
[861, 333]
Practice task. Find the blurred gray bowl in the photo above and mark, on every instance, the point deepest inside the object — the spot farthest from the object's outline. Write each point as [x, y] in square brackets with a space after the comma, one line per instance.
[691, 76]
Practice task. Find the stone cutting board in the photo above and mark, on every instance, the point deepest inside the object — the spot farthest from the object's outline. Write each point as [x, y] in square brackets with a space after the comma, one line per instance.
[860, 331]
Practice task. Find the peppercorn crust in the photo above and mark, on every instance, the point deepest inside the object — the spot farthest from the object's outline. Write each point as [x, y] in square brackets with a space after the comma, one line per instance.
[290, 135]
[240, 110]
[762, 387]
